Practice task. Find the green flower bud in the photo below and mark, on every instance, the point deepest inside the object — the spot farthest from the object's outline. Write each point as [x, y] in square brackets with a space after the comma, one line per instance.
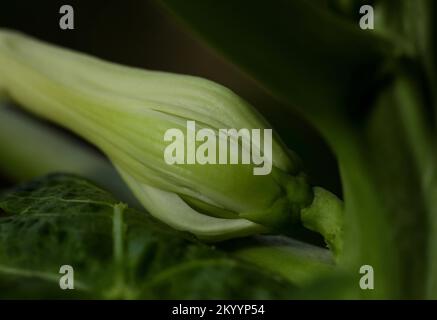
[126, 112]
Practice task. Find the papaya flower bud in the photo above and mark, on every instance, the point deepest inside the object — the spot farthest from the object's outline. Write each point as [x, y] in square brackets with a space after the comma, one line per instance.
[196, 155]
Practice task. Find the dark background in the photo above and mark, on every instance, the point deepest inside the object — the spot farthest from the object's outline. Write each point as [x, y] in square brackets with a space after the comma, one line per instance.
[144, 34]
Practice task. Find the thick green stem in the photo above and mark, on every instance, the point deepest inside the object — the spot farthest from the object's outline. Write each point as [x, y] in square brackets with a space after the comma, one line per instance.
[368, 238]
[298, 262]
[325, 216]
[420, 139]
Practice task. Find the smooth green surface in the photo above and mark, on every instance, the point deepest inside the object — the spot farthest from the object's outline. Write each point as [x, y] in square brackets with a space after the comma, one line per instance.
[296, 261]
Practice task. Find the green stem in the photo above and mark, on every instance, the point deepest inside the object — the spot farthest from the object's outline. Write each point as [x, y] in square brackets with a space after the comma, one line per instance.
[298, 262]
[368, 238]
[411, 105]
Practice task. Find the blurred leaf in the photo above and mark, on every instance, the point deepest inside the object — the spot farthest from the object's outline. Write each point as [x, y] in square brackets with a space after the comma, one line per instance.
[305, 55]
[413, 25]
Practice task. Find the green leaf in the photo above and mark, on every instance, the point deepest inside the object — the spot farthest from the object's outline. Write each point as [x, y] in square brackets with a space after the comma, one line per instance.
[116, 252]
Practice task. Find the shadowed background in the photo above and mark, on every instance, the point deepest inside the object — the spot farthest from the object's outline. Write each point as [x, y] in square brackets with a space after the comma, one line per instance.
[143, 34]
